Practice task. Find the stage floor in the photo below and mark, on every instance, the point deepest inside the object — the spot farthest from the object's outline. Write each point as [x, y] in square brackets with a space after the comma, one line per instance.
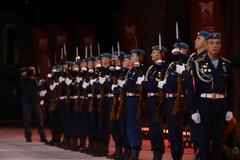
[14, 147]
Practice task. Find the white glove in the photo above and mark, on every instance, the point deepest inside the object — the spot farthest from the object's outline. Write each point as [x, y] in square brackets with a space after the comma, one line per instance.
[98, 66]
[196, 118]
[52, 86]
[114, 86]
[83, 69]
[140, 80]
[121, 83]
[102, 80]
[79, 79]
[161, 83]
[180, 68]
[85, 84]
[61, 79]
[118, 68]
[49, 75]
[41, 102]
[68, 81]
[92, 81]
[229, 116]
[136, 64]
[42, 93]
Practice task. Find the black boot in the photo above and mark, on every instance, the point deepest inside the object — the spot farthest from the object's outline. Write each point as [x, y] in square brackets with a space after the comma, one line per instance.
[157, 156]
[102, 151]
[134, 154]
[127, 153]
[82, 147]
[63, 143]
[117, 155]
[52, 141]
[43, 138]
[74, 145]
[90, 147]
[68, 144]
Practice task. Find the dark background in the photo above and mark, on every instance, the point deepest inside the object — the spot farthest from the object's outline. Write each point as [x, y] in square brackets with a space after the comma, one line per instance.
[102, 18]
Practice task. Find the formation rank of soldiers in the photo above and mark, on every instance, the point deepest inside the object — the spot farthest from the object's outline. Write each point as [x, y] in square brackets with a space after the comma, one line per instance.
[91, 99]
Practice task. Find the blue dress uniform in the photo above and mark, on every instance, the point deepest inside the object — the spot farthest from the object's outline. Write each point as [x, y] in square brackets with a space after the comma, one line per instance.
[170, 89]
[151, 87]
[214, 97]
[131, 104]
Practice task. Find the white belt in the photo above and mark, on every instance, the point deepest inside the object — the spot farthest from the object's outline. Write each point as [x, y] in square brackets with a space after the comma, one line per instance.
[62, 97]
[132, 94]
[81, 97]
[109, 95]
[171, 95]
[73, 97]
[212, 95]
[98, 95]
[151, 94]
[90, 95]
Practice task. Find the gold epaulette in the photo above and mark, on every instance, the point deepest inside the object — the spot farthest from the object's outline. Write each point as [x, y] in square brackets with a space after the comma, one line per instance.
[199, 59]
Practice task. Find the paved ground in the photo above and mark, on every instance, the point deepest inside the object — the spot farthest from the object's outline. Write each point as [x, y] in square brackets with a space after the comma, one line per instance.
[13, 147]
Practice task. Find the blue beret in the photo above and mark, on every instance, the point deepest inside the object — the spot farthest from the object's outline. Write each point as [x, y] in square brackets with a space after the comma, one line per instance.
[121, 53]
[98, 58]
[127, 56]
[108, 55]
[91, 58]
[181, 45]
[215, 35]
[157, 47]
[84, 60]
[204, 34]
[140, 52]
[69, 63]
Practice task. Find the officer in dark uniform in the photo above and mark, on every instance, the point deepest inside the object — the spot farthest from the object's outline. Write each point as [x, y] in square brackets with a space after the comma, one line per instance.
[133, 100]
[200, 47]
[104, 105]
[151, 87]
[30, 103]
[53, 110]
[175, 85]
[214, 96]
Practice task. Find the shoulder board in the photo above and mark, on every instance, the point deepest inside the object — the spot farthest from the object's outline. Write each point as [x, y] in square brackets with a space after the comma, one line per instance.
[226, 60]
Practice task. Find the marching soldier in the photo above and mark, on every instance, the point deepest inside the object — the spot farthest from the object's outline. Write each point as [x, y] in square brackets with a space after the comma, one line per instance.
[81, 79]
[133, 103]
[175, 85]
[63, 107]
[117, 59]
[104, 105]
[214, 97]
[154, 73]
[73, 106]
[54, 116]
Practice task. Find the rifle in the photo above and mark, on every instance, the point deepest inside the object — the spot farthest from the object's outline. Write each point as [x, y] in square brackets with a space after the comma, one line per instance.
[140, 101]
[115, 105]
[122, 98]
[91, 105]
[102, 94]
[160, 107]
